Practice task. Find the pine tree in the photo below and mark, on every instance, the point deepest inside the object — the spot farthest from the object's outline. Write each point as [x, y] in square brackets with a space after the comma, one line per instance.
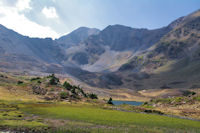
[110, 101]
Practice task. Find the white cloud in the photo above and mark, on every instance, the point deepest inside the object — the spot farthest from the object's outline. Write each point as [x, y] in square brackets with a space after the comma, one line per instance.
[13, 19]
[50, 12]
[23, 4]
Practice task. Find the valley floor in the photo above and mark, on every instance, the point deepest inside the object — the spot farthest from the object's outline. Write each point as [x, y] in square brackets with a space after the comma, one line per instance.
[86, 117]
[23, 111]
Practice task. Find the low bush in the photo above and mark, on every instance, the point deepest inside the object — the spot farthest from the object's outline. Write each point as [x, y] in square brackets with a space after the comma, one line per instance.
[64, 95]
[110, 101]
[37, 78]
[53, 80]
[67, 85]
[92, 96]
[187, 93]
[20, 82]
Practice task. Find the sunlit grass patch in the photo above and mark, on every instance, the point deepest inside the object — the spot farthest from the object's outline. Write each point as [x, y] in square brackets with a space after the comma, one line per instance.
[21, 123]
[11, 118]
[17, 115]
[101, 116]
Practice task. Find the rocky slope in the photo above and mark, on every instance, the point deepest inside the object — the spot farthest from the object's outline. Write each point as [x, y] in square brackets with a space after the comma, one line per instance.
[116, 57]
[43, 49]
[85, 48]
[76, 36]
[173, 62]
[113, 46]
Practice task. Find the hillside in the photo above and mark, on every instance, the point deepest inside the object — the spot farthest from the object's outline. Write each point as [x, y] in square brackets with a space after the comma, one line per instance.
[76, 36]
[47, 88]
[24, 54]
[51, 104]
[77, 53]
[173, 61]
[116, 57]
[113, 46]
[112, 66]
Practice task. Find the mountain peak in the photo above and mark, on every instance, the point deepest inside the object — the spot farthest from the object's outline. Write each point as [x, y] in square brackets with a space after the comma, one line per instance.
[77, 36]
[85, 28]
[195, 13]
[184, 19]
[117, 26]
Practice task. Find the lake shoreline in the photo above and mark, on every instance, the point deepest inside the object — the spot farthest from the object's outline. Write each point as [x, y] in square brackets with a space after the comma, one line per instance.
[120, 102]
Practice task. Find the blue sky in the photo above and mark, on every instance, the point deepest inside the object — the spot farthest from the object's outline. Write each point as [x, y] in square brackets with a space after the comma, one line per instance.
[53, 18]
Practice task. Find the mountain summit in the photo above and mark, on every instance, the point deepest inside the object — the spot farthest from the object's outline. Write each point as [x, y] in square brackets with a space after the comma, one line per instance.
[77, 36]
[118, 56]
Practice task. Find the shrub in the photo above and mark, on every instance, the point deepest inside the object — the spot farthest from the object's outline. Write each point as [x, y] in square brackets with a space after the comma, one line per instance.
[92, 96]
[145, 103]
[187, 93]
[83, 93]
[67, 85]
[64, 95]
[73, 90]
[110, 101]
[20, 82]
[53, 80]
[37, 78]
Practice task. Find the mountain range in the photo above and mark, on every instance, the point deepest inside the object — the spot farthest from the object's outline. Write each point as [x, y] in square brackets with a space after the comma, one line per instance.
[115, 57]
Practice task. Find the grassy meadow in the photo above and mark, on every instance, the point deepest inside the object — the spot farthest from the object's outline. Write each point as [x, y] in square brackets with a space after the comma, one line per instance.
[23, 111]
[84, 116]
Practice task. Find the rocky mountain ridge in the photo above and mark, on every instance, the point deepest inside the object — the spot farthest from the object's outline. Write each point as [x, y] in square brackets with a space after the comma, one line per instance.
[116, 57]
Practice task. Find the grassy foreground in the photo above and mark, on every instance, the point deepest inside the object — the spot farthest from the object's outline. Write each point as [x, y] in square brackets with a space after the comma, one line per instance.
[24, 109]
[86, 117]
[83, 116]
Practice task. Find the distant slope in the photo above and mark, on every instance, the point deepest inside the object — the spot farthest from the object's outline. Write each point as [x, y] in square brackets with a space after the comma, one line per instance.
[43, 49]
[22, 53]
[117, 43]
[181, 43]
[116, 57]
[84, 48]
[121, 38]
[76, 36]
[173, 62]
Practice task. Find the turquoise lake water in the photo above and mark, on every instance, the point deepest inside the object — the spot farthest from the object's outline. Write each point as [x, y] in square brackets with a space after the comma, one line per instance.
[116, 102]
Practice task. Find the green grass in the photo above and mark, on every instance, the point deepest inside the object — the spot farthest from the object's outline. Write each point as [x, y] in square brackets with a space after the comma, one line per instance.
[87, 118]
[197, 98]
[12, 118]
[111, 130]
[96, 115]
[21, 123]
